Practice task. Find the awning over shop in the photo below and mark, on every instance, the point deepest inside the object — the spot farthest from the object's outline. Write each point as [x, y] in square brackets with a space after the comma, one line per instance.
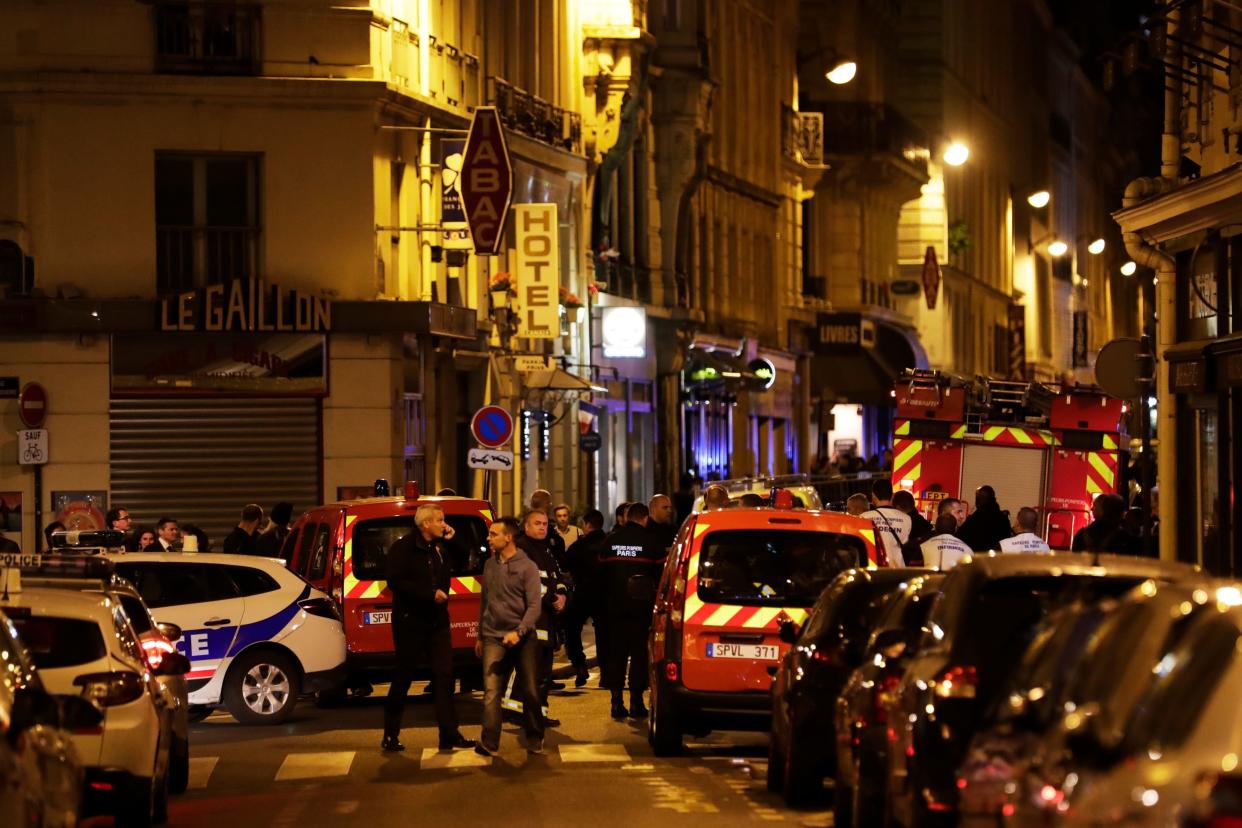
[865, 373]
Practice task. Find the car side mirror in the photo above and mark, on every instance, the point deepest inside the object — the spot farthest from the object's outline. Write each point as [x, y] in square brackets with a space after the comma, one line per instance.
[32, 707]
[172, 664]
[789, 631]
[76, 713]
[169, 630]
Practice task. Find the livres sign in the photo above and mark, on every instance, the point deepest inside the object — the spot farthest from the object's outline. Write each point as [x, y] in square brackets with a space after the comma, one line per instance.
[245, 305]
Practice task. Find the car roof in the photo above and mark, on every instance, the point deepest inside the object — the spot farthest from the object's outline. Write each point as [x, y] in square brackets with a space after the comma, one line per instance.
[198, 557]
[787, 520]
[56, 602]
[1012, 564]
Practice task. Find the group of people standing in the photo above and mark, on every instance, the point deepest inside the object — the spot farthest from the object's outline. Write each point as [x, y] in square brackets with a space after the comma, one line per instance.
[255, 533]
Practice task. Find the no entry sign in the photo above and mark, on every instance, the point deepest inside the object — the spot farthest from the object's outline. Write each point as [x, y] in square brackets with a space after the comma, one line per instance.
[32, 405]
[486, 180]
[492, 426]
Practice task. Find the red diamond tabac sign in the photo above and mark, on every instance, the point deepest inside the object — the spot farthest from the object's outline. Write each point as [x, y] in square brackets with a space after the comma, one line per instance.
[486, 180]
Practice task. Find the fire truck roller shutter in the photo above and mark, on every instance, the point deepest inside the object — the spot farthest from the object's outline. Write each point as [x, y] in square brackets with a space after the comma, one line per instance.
[1017, 474]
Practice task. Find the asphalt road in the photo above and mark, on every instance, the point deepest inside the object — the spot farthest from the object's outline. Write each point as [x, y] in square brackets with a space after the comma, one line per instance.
[324, 767]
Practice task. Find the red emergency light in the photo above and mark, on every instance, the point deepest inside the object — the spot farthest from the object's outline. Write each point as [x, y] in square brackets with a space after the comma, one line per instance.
[411, 490]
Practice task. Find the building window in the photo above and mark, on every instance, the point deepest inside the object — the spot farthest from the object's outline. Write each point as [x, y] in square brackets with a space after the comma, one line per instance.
[206, 219]
[207, 38]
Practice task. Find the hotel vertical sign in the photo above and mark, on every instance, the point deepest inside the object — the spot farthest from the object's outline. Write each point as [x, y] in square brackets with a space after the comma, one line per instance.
[537, 270]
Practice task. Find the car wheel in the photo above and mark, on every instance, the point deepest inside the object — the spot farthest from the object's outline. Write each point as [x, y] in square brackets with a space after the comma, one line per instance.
[179, 766]
[664, 736]
[138, 809]
[776, 764]
[803, 781]
[261, 688]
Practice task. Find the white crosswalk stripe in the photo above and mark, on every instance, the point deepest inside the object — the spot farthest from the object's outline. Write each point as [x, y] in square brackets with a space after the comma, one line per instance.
[200, 771]
[315, 765]
[594, 753]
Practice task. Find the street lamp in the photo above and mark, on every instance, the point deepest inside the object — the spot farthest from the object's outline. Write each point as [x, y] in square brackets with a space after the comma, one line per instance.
[1096, 247]
[1039, 199]
[842, 72]
[956, 153]
[1057, 248]
[1129, 269]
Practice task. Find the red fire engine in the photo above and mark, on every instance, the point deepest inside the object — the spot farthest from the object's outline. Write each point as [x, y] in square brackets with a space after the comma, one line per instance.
[1052, 449]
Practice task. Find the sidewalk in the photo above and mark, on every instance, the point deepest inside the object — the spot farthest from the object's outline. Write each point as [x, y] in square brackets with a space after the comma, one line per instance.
[562, 669]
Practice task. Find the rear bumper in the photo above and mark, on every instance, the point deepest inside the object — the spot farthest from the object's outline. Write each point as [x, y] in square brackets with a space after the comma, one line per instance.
[104, 789]
[726, 711]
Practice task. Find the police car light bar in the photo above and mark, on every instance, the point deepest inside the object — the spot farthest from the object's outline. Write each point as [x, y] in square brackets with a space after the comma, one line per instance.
[88, 538]
[67, 566]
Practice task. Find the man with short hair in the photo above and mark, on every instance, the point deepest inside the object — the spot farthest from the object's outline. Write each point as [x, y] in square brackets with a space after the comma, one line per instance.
[856, 504]
[241, 540]
[751, 500]
[568, 532]
[418, 574]
[943, 550]
[1107, 532]
[269, 542]
[1025, 538]
[167, 534]
[541, 501]
[538, 543]
[619, 515]
[987, 525]
[716, 497]
[892, 526]
[952, 506]
[582, 564]
[660, 507]
[118, 519]
[509, 609]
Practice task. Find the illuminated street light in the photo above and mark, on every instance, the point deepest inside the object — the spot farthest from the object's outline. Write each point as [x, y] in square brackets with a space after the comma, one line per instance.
[1096, 247]
[1039, 198]
[843, 72]
[1057, 248]
[955, 154]
[1129, 269]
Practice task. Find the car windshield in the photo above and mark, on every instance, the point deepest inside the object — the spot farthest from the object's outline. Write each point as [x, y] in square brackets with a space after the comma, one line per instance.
[372, 539]
[773, 567]
[139, 618]
[60, 642]
[1052, 659]
[849, 607]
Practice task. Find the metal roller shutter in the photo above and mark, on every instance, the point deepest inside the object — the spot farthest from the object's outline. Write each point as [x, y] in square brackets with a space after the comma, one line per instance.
[201, 460]
[1017, 475]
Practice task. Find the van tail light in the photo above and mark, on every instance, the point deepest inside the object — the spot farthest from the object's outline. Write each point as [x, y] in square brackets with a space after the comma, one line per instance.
[670, 670]
[677, 611]
[111, 689]
[959, 682]
[338, 564]
[155, 649]
[321, 607]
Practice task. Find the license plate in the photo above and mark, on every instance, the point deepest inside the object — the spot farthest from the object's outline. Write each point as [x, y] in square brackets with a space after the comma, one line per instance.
[760, 652]
[384, 617]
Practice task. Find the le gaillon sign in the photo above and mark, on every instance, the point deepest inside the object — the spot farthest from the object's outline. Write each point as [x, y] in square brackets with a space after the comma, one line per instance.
[245, 305]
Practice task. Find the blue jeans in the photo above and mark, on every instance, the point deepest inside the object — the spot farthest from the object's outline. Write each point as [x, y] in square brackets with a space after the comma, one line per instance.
[498, 662]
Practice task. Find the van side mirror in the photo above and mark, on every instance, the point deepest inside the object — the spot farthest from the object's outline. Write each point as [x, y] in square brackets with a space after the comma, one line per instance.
[170, 631]
[789, 630]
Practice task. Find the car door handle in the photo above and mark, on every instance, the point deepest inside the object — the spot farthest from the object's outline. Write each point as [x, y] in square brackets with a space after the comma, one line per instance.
[217, 622]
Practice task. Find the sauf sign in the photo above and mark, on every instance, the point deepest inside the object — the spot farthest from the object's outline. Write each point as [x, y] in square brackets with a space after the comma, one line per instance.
[537, 270]
[486, 180]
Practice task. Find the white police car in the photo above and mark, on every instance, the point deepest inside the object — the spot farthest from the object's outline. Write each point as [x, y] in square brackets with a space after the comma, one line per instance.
[256, 634]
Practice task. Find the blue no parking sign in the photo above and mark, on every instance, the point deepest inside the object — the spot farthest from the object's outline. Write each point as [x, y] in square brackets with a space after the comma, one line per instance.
[492, 426]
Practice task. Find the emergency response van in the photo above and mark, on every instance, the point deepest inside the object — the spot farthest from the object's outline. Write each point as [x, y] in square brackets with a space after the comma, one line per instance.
[341, 549]
[732, 576]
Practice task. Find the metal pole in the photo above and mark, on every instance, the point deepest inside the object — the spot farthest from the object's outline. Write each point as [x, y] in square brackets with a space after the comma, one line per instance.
[38, 509]
[1146, 371]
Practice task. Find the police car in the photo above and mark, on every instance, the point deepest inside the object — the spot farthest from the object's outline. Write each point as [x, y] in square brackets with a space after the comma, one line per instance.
[256, 634]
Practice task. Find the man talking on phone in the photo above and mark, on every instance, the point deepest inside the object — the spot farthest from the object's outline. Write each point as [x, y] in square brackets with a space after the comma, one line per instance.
[418, 577]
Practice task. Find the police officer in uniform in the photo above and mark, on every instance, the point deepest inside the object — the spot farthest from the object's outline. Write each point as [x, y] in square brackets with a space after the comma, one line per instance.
[539, 547]
[631, 563]
[418, 574]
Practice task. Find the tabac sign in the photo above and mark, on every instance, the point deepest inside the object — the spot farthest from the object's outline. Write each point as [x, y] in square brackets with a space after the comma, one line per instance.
[245, 305]
[537, 271]
[486, 180]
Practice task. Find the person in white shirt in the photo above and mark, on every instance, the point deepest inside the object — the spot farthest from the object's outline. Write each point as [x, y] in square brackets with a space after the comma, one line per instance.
[892, 526]
[944, 550]
[569, 532]
[1025, 538]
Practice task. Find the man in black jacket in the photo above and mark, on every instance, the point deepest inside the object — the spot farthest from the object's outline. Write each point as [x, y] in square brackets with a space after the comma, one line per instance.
[987, 525]
[582, 564]
[1107, 532]
[241, 540]
[539, 547]
[418, 575]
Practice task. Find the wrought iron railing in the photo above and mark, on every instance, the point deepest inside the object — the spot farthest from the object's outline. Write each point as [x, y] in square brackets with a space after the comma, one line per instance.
[802, 135]
[859, 127]
[212, 38]
[534, 117]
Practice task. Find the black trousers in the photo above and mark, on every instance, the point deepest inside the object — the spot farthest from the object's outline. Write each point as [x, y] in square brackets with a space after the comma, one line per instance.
[575, 618]
[436, 646]
[628, 627]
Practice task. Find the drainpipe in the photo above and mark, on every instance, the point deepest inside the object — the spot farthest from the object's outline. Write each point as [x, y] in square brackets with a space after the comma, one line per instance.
[1152, 256]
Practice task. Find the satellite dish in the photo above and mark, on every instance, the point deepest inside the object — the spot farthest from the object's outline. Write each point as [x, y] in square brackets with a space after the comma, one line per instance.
[1117, 368]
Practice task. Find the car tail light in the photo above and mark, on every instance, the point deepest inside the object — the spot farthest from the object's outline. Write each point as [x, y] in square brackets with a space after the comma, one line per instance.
[321, 607]
[106, 787]
[677, 610]
[959, 682]
[338, 565]
[155, 649]
[830, 656]
[110, 689]
[670, 670]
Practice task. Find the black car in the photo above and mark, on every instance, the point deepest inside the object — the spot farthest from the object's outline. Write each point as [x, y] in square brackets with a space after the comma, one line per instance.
[988, 613]
[862, 707]
[812, 673]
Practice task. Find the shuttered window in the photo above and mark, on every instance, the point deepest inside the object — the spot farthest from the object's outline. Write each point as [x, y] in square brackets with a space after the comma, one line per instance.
[1017, 475]
[200, 460]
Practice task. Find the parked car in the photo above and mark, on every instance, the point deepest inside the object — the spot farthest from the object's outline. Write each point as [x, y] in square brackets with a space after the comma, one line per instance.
[861, 726]
[1018, 764]
[715, 638]
[41, 772]
[256, 634]
[84, 643]
[340, 549]
[810, 676]
[989, 610]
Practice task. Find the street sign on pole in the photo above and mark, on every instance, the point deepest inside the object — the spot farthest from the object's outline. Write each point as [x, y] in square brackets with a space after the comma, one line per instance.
[486, 180]
[591, 441]
[526, 363]
[931, 277]
[32, 405]
[489, 459]
[492, 426]
[32, 447]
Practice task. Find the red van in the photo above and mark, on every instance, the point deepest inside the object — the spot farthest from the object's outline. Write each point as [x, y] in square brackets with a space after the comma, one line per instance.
[340, 548]
[732, 578]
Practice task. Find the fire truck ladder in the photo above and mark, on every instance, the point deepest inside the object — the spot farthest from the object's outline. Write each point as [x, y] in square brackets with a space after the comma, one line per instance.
[1007, 400]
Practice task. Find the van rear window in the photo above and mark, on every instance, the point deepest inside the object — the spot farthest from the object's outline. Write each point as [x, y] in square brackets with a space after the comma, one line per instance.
[748, 566]
[373, 538]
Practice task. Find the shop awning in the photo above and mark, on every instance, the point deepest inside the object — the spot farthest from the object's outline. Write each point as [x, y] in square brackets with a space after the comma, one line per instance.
[560, 380]
[865, 374]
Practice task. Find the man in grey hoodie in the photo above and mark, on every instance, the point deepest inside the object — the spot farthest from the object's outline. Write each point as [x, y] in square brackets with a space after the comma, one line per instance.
[508, 614]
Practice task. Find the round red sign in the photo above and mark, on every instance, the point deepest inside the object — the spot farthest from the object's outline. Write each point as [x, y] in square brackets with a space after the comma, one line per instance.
[32, 405]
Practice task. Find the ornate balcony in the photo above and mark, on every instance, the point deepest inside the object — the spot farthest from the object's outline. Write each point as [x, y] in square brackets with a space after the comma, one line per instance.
[208, 38]
[534, 117]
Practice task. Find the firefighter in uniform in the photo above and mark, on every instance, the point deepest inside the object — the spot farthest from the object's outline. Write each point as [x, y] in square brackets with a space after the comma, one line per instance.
[554, 586]
[418, 573]
[1025, 538]
[631, 563]
[892, 526]
[944, 550]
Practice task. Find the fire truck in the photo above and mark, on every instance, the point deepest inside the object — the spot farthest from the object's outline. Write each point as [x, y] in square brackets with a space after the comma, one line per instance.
[1054, 449]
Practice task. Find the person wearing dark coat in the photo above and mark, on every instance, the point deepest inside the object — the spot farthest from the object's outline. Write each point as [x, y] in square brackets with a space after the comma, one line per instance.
[582, 564]
[418, 573]
[536, 542]
[1107, 532]
[987, 525]
[241, 540]
[269, 542]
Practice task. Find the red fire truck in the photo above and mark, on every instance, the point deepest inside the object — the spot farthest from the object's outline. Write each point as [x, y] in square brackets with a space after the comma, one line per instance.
[1048, 448]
